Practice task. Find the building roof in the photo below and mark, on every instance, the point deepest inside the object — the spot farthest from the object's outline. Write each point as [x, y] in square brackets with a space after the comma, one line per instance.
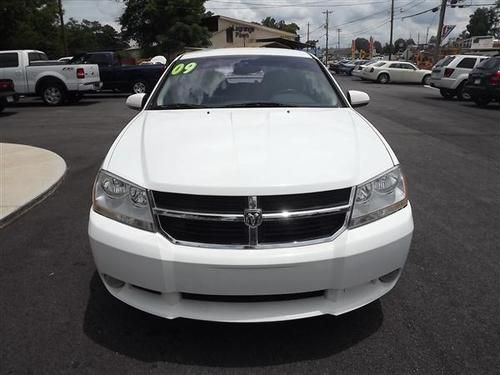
[245, 51]
[256, 25]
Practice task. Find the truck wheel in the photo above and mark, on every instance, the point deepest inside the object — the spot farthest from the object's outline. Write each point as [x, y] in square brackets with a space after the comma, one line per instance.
[139, 87]
[447, 94]
[462, 94]
[383, 78]
[482, 101]
[53, 93]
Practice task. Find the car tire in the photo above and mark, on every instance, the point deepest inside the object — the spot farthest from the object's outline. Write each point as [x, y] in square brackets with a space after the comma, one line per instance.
[53, 93]
[139, 87]
[426, 80]
[383, 78]
[482, 101]
[462, 94]
[447, 94]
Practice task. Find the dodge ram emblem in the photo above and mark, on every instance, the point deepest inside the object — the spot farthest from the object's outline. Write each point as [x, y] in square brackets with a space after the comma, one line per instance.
[253, 217]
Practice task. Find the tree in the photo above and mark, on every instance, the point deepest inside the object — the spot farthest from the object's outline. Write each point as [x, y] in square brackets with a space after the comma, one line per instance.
[433, 40]
[30, 24]
[362, 44]
[91, 35]
[377, 46]
[280, 25]
[164, 26]
[482, 22]
[387, 49]
[400, 45]
[410, 42]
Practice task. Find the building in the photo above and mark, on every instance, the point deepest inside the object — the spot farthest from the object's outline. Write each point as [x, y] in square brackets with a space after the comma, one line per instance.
[229, 32]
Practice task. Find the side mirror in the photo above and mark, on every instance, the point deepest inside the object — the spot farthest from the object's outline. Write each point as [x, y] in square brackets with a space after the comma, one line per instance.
[136, 101]
[358, 98]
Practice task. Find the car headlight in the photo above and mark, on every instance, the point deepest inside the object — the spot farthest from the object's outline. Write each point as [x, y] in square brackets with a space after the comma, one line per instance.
[379, 197]
[122, 201]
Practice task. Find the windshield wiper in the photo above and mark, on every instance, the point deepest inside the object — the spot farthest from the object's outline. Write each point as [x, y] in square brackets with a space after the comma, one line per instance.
[179, 106]
[257, 104]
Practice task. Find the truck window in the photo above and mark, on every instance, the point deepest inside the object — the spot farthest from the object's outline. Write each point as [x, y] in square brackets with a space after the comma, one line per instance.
[100, 59]
[36, 56]
[9, 60]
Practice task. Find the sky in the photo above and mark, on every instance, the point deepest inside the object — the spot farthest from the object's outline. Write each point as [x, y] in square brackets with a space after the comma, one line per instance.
[355, 18]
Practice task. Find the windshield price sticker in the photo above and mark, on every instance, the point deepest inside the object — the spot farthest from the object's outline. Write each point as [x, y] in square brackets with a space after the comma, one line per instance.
[184, 69]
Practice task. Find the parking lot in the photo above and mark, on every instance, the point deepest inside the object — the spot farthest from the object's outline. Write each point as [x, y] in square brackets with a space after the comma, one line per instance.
[442, 318]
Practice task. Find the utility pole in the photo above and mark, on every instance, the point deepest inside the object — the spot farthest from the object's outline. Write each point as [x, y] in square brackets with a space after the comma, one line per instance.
[392, 30]
[61, 18]
[327, 12]
[442, 12]
[338, 38]
[427, 36]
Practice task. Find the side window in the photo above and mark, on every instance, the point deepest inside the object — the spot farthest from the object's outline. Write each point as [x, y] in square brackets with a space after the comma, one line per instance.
[98, 58]
[467, 63]
[395, 66]
[35, 56]
[407, 66]
[9, 60]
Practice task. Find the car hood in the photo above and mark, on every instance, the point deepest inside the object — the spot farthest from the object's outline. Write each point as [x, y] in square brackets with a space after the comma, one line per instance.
[248, 151]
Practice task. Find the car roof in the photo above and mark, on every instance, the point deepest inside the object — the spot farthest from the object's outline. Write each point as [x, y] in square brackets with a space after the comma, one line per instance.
[245, 52]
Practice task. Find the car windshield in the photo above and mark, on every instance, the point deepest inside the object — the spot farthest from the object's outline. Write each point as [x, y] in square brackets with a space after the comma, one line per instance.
[246, 81]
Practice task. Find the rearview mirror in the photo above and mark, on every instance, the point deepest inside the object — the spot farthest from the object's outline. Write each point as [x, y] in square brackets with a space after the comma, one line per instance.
[358, 98]
[136, 101]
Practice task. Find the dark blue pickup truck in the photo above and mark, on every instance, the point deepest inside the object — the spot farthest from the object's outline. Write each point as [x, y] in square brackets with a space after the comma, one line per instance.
[116, 75]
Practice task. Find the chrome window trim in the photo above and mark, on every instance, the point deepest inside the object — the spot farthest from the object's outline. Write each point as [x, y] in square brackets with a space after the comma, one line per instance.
[253, 243]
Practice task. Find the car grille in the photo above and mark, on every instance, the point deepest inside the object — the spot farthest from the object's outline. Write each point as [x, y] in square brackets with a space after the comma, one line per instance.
[251, 221]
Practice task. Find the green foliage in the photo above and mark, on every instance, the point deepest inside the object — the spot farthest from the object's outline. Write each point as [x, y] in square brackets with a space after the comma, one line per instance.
[362, 44]
[482, 22]
[30, 24]
[92, 36]
[400, 45]
[280, 25]
[377, 46]
[164, 26]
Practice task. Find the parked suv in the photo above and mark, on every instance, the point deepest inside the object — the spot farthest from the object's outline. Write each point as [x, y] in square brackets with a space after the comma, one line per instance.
[450, 75]
[239, 194]
[484, 82]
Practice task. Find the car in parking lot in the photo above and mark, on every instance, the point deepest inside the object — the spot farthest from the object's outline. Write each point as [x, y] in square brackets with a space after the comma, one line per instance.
[397, 72]
[450, 75]
[358, 69]
[7, 93]
[483, 84]
[249, 200]
[116, 74]
[55, 82]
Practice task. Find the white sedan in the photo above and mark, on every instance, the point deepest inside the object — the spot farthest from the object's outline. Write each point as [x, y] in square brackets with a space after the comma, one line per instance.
[396, 71]
[249, 199]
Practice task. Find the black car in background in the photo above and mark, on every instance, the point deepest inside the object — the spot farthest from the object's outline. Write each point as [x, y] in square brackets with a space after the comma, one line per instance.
[7, 93]
[484, 82]
[117, 75]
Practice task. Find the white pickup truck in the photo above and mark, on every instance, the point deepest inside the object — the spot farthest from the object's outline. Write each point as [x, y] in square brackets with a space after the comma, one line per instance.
[55, 82]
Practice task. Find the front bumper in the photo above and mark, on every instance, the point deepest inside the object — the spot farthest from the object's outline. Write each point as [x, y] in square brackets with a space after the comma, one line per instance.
[158, 274]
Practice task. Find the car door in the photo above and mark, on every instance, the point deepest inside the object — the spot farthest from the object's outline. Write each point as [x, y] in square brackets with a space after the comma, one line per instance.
[10, 68]
[395, 72]
[410, 73]
[465, 66]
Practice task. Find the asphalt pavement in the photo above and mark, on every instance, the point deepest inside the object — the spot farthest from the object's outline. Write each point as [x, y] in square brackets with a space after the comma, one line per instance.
[443, 317]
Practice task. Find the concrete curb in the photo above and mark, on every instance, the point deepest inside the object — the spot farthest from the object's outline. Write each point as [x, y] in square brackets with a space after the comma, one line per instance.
[50, 170]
